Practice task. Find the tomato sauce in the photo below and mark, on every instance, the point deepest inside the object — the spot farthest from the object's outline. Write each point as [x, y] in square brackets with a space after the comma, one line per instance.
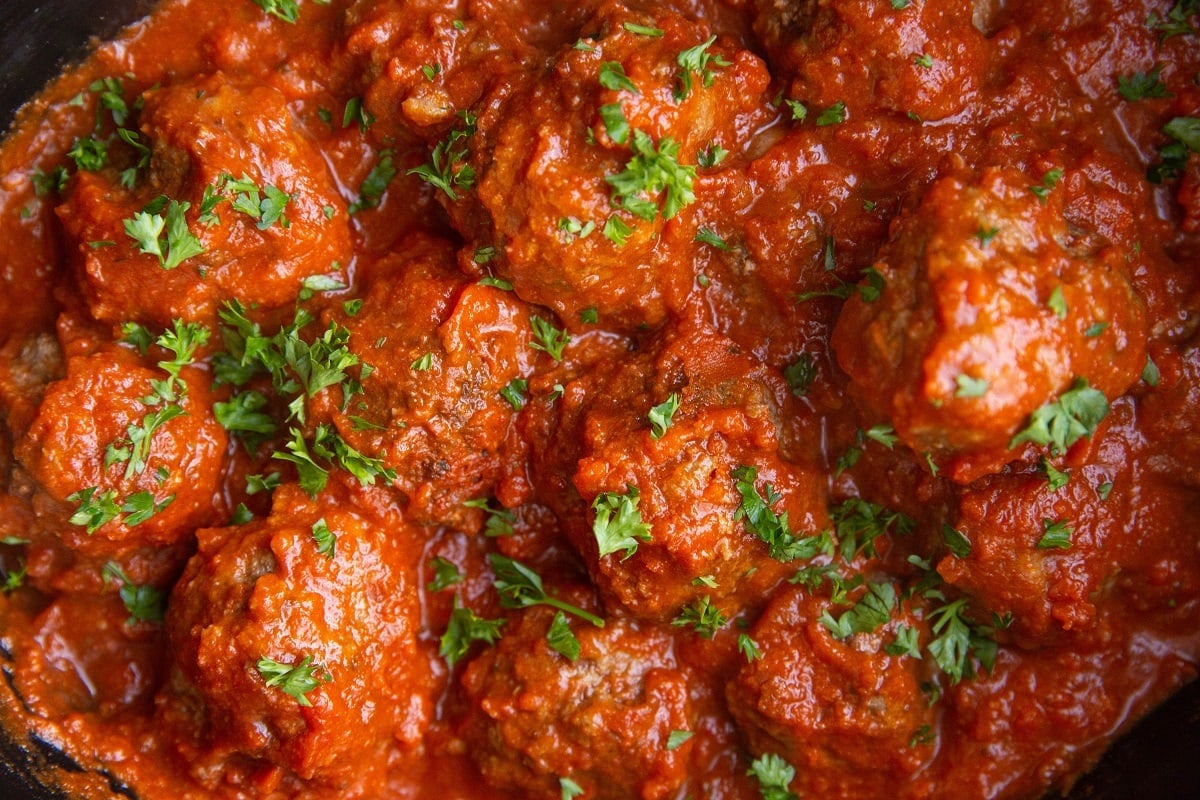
[712, 398]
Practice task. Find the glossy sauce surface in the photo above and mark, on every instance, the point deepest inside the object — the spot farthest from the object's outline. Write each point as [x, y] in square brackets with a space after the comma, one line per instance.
[711, 399]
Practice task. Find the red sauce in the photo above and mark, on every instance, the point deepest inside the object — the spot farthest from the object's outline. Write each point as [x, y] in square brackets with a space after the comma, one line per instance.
[655, 400]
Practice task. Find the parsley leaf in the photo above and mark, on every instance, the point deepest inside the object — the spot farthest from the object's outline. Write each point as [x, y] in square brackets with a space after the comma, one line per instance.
[1074, 415]
[445, 574]
[325, 538]
[704, 618]
[651, 171]
[370, 192]
[676, 739]
[499, 520]
[144, 603]
[774, 775]
[166, 238]
[521, 587]
[93, 511]
[612, 76]
[772, 528]
[661, 415]
[465, 628]
[618, 523]
[748, 647]
[1056, 535]
[447, 167]
[859, 523]
[699, 61]
[548, 338]
[1142, 86]
[956, 541]
[560, 637]
[871, 611]
[295, 680]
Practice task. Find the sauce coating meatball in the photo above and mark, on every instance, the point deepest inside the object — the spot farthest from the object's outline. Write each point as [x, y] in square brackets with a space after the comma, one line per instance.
[601, 720]
[292, 651]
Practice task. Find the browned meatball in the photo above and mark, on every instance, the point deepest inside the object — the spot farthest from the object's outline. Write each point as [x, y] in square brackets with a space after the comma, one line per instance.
[989, 306]
[204, 133]
[602, 721]
[341, 616]
[544, 160]
[696, 542]
[128, 473]
[441, 351]
[842, 712]
[927, 58]
[1044, 554]
[426, 60]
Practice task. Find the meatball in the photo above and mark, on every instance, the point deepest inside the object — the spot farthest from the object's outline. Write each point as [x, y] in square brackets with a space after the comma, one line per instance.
[579, 174]
[294, 651]
[213, 142]
[1043, 554]
[842, 712]
[601, 720]
[605, 453]
[928, 58]
[989, 305]
[129, 468]
[476, 46]
[444, 349]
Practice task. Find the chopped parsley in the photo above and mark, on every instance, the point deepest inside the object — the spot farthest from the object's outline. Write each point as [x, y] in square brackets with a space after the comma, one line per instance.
[463, 630]
[710, 237]
[445, 574]
[447, 167]
[650, 172]
[325, 539]
[356, 112]
[774, 776]
[514, 393]
[615, 123]
[1074, 415]
[521, 587]
[702, 616]
[677, 738]
[618, 524]
[1173, 156]
[90, 154]
[956, 541]
[1049, 181]
[662, 415]
[144, 603]
[711, 155]
[296, 680]
[870, 612]
[772, 528]
[1142, 86]
[748, 647]
[499, 520]
[969, 387]
[370, 192]
[561, 638]
[1056, 535]
[698, 61]
[834, 115]
[166, 237]
[859, 523]
[548, 338]
[800, 374]
[612, 76]
[617, 231]
[286, 10]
